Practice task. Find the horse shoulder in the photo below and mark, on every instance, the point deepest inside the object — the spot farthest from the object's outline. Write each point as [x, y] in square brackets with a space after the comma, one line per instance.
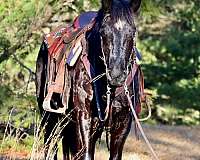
[83, 90]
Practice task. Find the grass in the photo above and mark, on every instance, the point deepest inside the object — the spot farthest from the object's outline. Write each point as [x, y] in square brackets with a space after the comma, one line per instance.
[32, 147]
[22, 149]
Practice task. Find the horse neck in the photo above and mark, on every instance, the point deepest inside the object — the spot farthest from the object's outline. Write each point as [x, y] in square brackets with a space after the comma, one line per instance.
[98, 67]
[95, 51]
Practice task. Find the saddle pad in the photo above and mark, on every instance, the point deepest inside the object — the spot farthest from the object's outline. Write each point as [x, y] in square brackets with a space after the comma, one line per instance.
[75, 53]
[79, 23]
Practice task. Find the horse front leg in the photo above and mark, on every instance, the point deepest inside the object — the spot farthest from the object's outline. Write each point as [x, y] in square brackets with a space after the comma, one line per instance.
[67, 140]
[81, 148]
[82, 102]
[90, 131]
[50, 145]
[65, 147]
[85, 125]
[121, 125]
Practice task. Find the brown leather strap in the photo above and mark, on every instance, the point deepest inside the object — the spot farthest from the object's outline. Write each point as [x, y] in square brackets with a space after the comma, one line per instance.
[84, 56]
[141, 81]
[130, 78]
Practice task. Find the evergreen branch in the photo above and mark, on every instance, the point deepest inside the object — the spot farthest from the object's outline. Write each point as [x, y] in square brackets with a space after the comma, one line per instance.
[24, 66]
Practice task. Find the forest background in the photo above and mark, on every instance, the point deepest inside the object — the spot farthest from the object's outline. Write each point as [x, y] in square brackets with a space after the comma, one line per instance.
[168, 38]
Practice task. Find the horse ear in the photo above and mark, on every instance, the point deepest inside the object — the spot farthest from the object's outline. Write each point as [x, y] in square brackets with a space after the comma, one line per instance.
[106, 5]
[135, 4]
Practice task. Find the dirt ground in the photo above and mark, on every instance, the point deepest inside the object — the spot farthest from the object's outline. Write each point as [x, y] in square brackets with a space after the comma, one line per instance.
[169, 142]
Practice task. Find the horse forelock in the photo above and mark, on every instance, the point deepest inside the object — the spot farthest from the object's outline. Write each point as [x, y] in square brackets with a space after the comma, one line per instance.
[121, 11]
[117, 30]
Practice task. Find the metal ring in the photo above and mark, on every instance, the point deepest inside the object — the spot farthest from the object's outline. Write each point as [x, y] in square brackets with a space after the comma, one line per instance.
[126, 92]
[108, 92]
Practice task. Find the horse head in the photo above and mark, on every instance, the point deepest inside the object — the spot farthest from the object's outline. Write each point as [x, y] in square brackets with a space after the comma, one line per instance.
[117, 33]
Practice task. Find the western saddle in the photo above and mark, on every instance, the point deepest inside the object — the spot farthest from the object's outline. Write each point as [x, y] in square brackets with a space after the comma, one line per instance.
[65, 44]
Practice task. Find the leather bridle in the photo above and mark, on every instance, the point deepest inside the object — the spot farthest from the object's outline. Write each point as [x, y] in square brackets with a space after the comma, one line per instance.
[119, 90]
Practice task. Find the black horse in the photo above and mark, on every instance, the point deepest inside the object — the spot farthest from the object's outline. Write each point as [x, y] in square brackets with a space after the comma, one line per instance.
[111, 50]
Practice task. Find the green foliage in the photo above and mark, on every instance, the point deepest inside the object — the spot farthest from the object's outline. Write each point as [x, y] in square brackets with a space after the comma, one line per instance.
[168, 39]
[12, 144]
[172, 63]
[21, 23]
